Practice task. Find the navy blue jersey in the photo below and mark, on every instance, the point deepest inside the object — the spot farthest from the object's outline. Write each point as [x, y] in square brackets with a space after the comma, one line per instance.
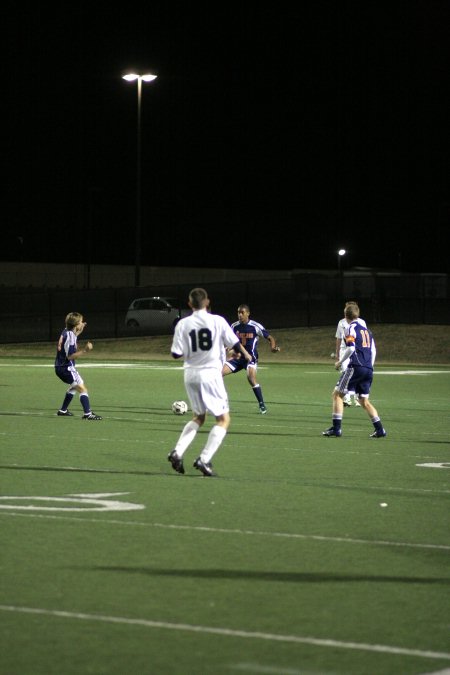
[67, 345]
[248, 334]
[360, 338]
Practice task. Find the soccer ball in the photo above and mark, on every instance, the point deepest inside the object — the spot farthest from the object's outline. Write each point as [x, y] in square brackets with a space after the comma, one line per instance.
[179, 407]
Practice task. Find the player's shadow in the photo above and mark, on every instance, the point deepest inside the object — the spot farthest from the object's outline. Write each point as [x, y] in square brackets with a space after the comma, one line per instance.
[255, 575]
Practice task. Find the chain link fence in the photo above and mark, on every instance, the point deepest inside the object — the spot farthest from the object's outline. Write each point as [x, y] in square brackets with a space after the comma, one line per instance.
[305, 300]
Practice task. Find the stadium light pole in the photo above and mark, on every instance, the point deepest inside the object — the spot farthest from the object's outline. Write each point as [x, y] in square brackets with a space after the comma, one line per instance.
[132, 77]
[340, 253]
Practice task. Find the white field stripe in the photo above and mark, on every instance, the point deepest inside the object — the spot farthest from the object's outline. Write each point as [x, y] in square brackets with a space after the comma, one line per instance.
[259, 669]
[228, 632]
[250, 533]
[158, 366]
[388, 372]
[98, 364]
[412, 372]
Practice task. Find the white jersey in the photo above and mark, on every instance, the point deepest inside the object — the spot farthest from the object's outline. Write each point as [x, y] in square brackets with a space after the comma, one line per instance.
[341, 331]
[340, 334]
[200, 339]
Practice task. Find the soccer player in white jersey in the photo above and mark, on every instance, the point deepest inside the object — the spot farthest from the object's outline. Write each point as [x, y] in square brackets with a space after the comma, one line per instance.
[339, 351]
[200, 340]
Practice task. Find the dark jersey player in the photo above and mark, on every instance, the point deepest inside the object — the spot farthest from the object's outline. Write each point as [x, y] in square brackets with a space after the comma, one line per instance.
[249, 331]
[66, 353]
[357, 377]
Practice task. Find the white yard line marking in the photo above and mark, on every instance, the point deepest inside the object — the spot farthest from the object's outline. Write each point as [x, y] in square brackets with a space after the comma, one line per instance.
[259, 669]
[98, 364]
[88, 501]
[253, 533]
[255, 635]
[389, 372]
[169, 366]
[435, 465]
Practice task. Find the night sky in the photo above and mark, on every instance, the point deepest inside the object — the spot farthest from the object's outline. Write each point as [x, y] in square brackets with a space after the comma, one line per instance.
[271, 138]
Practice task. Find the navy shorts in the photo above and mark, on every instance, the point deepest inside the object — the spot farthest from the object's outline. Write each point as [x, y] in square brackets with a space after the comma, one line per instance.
[357, 379]
[235, 365]
[69, 374]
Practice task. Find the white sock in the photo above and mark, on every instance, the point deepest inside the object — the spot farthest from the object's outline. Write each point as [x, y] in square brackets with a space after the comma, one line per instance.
[215, 438]
[186, 437]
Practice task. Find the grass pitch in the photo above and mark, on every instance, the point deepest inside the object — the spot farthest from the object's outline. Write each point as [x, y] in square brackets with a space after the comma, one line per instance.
[286, 563]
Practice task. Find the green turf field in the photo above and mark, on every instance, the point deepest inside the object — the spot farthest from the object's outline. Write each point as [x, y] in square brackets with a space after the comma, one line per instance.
[285, 564]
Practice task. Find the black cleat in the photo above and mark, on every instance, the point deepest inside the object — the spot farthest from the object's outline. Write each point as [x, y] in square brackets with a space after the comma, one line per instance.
[64, 413]
[262, 409]
[378, 434]
[91, 416]
[206, 469]
[332, 432]
[177, 462]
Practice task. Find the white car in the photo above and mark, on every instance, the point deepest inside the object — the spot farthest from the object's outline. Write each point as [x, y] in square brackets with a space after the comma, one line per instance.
[156, 314]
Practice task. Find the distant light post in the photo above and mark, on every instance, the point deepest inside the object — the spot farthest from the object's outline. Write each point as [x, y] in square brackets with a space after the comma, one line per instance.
[131, 77]
[340, 253]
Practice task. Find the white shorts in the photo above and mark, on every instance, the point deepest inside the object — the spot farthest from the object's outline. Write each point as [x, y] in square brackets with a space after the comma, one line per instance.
[206, 391]
[343, 368]
[345, 363]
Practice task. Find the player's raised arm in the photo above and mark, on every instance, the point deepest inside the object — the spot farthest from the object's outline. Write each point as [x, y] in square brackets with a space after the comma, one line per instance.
[273, 344]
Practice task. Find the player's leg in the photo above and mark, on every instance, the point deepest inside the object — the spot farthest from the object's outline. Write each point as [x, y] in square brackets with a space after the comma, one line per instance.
[363, 389]
[337, 415]
[347, 399]
[215, 399]
[340, 390]
[64, 409]
[190, 429]
[88, 414]
[256, 387]
[232, 366]
[370, 409]
[213, 442]
[66, 376]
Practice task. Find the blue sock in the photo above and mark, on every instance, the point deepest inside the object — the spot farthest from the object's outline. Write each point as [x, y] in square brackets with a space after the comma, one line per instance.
[337, 423]
[258, 393]
[377, 424]
[84, 400]
[67, 400]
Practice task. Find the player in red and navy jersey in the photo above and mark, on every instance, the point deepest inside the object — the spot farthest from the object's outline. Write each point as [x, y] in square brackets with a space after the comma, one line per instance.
[360, 352]
[249, 332]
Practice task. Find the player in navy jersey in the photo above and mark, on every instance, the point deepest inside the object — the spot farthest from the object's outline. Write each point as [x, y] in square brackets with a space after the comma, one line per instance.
[340, 349]
[357, 377]
[66, 353]
[249, 332]
[200, 340]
